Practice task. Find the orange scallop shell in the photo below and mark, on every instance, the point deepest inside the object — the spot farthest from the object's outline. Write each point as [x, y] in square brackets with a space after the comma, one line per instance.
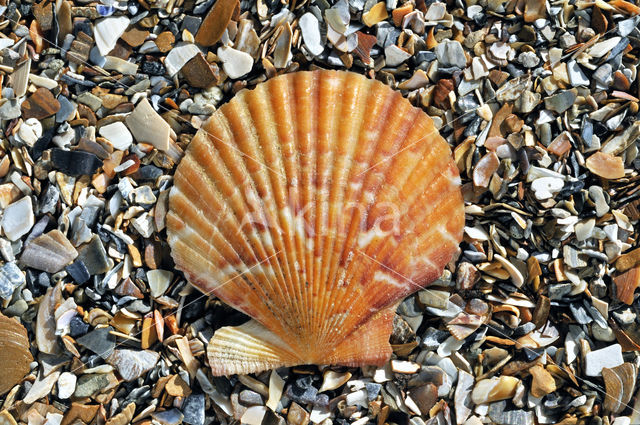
[313, 203]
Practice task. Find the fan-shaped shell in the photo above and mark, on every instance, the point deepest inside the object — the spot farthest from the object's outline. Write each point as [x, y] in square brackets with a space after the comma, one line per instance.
[15, 356]
[313, 203]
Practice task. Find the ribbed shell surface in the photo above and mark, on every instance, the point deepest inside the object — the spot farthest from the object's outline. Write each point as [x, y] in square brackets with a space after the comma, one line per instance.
[313, 203]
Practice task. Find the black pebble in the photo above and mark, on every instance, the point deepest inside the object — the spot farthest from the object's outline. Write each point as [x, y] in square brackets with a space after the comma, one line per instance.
[78, 327]
[152, 68]
[75, 163]
[78, 272]
[302, 392]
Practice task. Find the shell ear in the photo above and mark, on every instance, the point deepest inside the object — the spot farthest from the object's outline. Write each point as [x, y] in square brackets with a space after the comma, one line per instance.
[368, 344]
[248, 348]
[252, 348]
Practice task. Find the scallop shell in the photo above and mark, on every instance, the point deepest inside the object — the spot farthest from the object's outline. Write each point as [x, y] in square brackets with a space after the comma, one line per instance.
[15, 356]
[313, 203]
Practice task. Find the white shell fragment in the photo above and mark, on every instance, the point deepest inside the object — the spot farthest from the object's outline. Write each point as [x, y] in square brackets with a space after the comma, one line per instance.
[118, 134]
[18, 219]
[107, 32]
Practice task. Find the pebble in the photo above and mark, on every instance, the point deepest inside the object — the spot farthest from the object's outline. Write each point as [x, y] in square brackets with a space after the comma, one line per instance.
[107, 32]
[149, 127]
[18, 219]
[576, 75]
[118, 134]
[394, 55]
[546, 187]
[310, 28]
[100, 341]
[450, 53]
[235, 62]
[193, 409]
[11, 278]
[75, 163]
[133, 364]
[179, 56]
[66, 385]
[608, 357]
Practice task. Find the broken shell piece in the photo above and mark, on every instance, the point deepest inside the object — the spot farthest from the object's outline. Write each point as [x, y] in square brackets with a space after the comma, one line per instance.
[543, 383]
[15, 356]
[494, 389]
[619, 382]
[338, 306]
[49, 252]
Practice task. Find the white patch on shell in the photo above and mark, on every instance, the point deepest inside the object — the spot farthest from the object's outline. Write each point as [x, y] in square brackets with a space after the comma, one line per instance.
[389, 278]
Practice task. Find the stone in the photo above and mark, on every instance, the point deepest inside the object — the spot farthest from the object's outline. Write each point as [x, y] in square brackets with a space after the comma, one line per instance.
[193, 409]
[395, 56]
[165, 41]
[546, 187]
[576, 75]
[606, 166]
[560, 102]
[11, 278]
[215, 23]
[235, 62]
[78, 272]
[179, 56]
[134, 37]
[89, 99]
[100, 341]
[450, 53]
[40, 105]
[311, 36]
[132, 364]
[90, 384]
[177, 387]
[542, 383]
[118, 134]
[41, 387]
[75, 163]
[107, 31]
[94, 256]
[147, 126]
[629, 260]
[168, 417]
[200, 73]
[534, 10]
[18, 219]
[159, 281]
[494, 389]
[66, 385]
[608, 357]
[49, 252]
[376, 14]
[30, 131]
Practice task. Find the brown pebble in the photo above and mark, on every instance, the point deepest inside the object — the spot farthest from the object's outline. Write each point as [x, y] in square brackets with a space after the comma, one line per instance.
[543, 382]
[200, 73]
[80, 412]
[176, 387]
[441, 93]
[626, 284]
[149, 334]
[620, 81]
[628, 260]
[297, 415]
[598, 20]
[534, 9]
[135, 37]
[41, 104]
[43, 12]
[215, 23]
[512, 124]
[165, 41]
[399, 13]
[606, 166]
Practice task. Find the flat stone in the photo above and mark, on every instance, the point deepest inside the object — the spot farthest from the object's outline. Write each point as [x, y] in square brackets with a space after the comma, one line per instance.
[177, 387]
[310, 27]
[134, 37]
[159, 281]
[41, 387]
[40, 105]
[560, 102]
[628, 261]
[576, 75]
[179, 56]
[100, 341]
[395, 56]
[450, 53]
[18, 219]
[11, 277]
[193, 409]
[94, 256]
[118, 134]
[132, 364]
[148, 126]
[49, 252]
[78, 272]
[216, 22]
[89, 99]
[66, 385]
[235, 62]
[608, 357]
[168, 417]
[200, 73]
[107, 31]
[75, 163]
[90, 384]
